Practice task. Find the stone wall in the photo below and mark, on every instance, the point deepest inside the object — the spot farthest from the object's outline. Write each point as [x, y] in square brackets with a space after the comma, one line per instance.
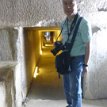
[14, 13]
[30, 12]
[15, 46]
[8, 38]
[95, 81]
[7, 90]
[12, 49]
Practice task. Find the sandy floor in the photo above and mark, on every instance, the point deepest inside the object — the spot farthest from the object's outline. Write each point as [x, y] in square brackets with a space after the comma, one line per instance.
[47, 88]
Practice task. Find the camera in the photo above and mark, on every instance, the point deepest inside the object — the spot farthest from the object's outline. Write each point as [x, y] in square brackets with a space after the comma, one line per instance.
[59, 46]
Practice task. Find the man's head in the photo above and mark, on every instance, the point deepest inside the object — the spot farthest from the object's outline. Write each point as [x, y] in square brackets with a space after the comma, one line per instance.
[70, 7]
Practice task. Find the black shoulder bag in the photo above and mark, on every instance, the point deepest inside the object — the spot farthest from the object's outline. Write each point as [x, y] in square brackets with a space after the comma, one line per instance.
[62, 60]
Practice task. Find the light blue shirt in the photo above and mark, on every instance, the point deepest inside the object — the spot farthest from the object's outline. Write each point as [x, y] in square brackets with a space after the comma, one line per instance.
[83, 36]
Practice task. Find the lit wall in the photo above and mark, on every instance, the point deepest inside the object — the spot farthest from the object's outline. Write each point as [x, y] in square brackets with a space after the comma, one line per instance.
[33, 38]
[32, 51]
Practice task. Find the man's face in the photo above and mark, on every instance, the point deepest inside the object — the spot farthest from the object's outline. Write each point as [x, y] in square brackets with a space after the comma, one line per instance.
[70, 7]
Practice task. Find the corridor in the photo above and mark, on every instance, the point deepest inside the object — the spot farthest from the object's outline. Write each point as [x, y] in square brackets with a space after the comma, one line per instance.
[47, 88]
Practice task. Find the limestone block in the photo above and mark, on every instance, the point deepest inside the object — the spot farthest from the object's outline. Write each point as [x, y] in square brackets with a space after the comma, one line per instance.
[30, 12]
[101, 5]
[5, 88]
[95, 85]
[4, 46]
[98, 19]
[8, 37]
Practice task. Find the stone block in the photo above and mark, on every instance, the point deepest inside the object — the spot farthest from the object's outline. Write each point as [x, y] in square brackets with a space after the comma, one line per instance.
[6, 86]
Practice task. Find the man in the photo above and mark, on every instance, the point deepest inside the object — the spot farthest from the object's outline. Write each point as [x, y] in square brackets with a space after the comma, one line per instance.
[79, 54]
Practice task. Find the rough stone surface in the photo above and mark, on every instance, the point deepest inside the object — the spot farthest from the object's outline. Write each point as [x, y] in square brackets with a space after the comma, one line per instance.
[20, 73]
[30, 12]
[95, 80]
[12, 49]
[7, 91]
[8, 38]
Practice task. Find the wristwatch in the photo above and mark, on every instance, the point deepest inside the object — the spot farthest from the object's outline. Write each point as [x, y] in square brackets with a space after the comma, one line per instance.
[85, 65]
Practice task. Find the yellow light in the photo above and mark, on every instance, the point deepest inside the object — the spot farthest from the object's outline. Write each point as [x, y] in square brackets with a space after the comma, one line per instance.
[36, 72]
[48, 44]
[40, 52]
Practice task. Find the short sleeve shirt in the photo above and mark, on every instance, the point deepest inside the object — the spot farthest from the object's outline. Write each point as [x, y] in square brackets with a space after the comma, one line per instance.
[83, 36]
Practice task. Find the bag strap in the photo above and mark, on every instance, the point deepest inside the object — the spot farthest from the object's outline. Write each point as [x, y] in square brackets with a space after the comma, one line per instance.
[71, 27]
[73, 24]
[74, 36]
[75, 33]
[60, 31]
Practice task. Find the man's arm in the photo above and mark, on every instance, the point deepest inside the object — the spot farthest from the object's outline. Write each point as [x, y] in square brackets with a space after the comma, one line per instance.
[87, 53]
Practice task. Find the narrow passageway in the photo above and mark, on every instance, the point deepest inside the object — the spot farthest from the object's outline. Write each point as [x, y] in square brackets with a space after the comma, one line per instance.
[46, 85]
[47, 88]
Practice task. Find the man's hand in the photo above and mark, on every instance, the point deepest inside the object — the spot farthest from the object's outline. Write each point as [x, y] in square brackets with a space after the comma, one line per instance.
[85, 70]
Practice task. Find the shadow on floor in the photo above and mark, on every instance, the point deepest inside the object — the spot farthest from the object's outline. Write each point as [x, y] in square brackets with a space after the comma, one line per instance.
[47, 85]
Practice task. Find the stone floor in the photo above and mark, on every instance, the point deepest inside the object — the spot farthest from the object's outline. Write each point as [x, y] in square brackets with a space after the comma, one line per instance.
[62, 103]
[47, 88]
